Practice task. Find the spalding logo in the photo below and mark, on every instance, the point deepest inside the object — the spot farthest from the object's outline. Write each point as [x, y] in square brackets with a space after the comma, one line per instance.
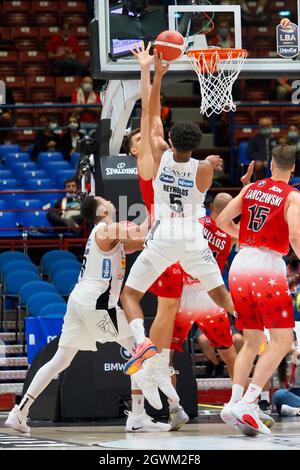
[124, 353]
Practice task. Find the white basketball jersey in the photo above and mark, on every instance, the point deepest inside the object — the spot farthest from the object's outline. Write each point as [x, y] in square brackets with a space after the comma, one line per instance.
[175, 191]
[101, 277]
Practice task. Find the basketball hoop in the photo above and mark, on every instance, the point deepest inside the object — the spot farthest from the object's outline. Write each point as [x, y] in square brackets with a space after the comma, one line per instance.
[217, 70]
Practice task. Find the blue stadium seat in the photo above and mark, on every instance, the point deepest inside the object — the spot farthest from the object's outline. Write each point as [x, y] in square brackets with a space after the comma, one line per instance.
[62, 265]
[74, 159]
[33, 174]
[53, 310]
[3, 204]
[28, 204]
[40, 184]
[8, 184]
[243, 153]
[34, 287]
[295, 180]
[4, 149]
[6, 175]
[49, 258]
[38, 301]
[19, 168]
[12, 198]
[8, 225]
[65, 280]
[35, 219]
[53, 167]
[13, 158]
[12, 256]
[19, 264]
[45, 157]
[61, 176]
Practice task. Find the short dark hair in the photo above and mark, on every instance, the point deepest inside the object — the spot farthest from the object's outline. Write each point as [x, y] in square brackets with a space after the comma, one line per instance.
[127, 141]
[284, 156]
[186, 136]
[70, 180]
[88, 208]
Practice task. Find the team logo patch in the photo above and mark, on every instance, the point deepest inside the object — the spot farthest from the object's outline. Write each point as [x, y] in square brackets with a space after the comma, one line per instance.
[167, 178]
[124, 353]
[284, 314]
[207, 220]
[261, 183]
[106, 268]
[185, 183]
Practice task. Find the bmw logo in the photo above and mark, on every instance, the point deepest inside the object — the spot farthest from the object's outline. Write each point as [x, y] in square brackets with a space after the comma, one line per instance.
[124, 353]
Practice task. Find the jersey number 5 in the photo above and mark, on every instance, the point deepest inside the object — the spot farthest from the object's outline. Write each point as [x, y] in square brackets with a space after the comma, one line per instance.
[176, 203]
[258, 217]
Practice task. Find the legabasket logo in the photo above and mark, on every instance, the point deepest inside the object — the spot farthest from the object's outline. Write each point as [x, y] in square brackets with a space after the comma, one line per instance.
[121, 170]
[117, 366]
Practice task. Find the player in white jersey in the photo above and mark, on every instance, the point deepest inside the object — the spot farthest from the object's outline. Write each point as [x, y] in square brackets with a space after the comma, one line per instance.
[180, 184]
[93, 314]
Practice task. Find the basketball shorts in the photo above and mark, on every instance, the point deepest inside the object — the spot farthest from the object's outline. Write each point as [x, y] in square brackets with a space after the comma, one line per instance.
[169, 284]
[260, 291]
[83, 327]
[197, 307]
[171, 243]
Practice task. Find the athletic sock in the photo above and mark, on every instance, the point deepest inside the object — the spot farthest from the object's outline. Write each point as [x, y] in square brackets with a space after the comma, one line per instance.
[174, 404]
[25, 404]
[137, 405]
[251, 394]
[236, 393]
[138, 330]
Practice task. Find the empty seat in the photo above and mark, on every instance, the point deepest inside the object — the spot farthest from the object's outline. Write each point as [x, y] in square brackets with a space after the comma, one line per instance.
[25, 118]
[34, 287]
[243, 153]
[18, 85]
[24, 264]
[74, 159]
[65, 86]
[16, 6]
[25, 37]
[53, 310]
[8, 148]
[5, 174]
[8, 225]
[65, 281]
[25, 138]
[45, 157]
[3, 205]
[46, 32]
[16, 157]
[9, 63]
[38, 184]
[20, 18]
[38, 301]
[84, 57]
[12, 256]
[11, 198]
[33, 62]
[29, 174]
[53, 167]
[8, 184]
[51, 257]
[45, 13]
[41, 89]
[63, 265]
[35, 219]
[61, 176]
[26, 204]
[19, 168]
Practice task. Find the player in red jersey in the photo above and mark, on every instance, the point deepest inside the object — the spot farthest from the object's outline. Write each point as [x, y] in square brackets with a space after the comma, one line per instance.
[168, 286]
[270, 219]
[196, 306]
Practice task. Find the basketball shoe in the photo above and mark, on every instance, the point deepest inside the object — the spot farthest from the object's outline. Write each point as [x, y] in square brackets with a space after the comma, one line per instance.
[249, 414]
[178, 418]
[144, 423]
[17, 421]
[142, 352]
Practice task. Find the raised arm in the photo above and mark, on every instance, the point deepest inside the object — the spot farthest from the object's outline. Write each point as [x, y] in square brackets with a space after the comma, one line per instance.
[133, 236]
[293, 221]
[157, 141]
[226, 219]
[144, 157]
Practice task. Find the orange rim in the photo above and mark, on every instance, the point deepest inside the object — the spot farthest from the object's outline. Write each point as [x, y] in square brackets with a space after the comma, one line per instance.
[223, 54]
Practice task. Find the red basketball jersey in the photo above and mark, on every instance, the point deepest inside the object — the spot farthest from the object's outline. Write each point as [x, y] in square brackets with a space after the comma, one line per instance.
[147, 193]
[219, 242]
[263, 223]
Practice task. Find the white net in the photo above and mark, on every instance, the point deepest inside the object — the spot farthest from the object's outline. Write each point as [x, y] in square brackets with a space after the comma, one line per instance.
[217, 70]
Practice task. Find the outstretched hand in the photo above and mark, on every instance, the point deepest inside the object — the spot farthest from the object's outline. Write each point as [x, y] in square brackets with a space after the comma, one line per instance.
[161, 67]
[216, 161]
[246, 178]
[143, 55]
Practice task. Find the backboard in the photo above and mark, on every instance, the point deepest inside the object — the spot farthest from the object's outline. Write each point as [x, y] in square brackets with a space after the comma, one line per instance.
[251, 25]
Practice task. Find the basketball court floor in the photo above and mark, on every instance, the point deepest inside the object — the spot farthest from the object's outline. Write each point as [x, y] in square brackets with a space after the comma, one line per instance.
[200, 434]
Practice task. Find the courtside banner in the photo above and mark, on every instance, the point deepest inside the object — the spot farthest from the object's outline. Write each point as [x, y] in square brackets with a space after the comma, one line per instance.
[39, 332]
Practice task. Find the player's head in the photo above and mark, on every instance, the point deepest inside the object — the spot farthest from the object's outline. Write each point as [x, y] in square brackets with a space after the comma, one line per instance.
[96, 208]
[132, 143]
[283, 159]
[219, 203]
[184, 137]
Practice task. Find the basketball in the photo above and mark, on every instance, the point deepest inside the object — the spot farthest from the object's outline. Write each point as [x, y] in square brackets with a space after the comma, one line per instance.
[285, 23]
[170, 44]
